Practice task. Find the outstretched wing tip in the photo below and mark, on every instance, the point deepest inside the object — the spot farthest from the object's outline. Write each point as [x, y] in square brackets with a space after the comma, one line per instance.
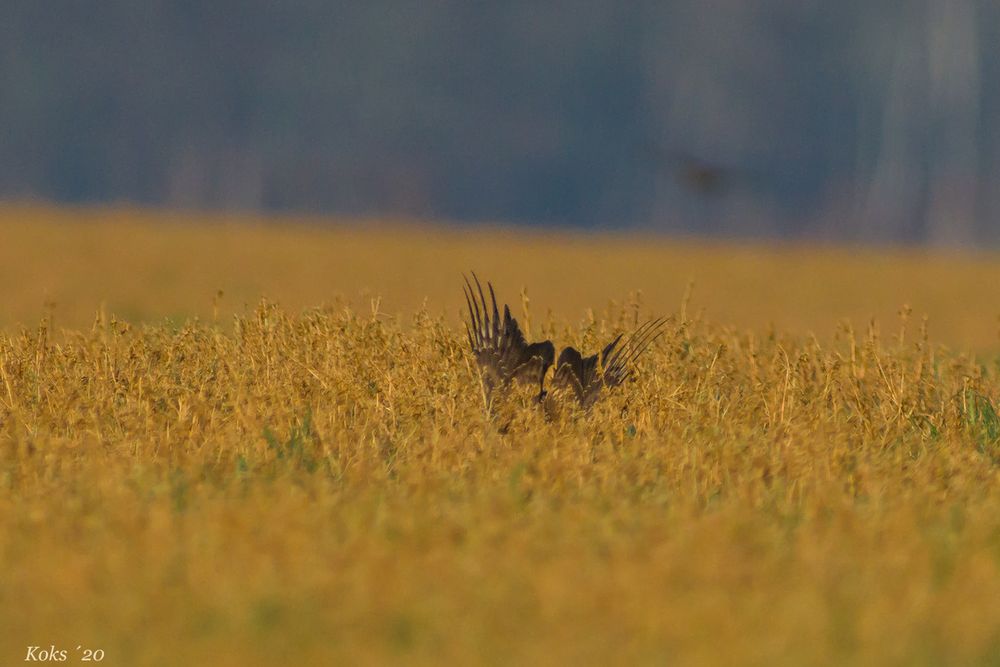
[499, 346]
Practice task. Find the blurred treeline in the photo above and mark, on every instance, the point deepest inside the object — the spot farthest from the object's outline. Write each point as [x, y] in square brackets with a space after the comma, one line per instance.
[792, 118]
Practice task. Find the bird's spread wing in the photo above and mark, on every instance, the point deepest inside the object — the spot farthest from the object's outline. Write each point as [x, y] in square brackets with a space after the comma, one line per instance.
[611, 367]
[498, 344]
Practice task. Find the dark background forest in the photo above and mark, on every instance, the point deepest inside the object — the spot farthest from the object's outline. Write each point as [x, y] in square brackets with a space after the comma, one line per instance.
[854, 120]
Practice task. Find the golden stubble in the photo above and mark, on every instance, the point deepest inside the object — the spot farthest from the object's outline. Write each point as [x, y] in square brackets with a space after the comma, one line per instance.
[323, 484]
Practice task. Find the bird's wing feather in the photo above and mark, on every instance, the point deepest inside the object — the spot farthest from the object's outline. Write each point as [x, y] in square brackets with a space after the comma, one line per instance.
[499, 345]
[618, 365]
[609, 368]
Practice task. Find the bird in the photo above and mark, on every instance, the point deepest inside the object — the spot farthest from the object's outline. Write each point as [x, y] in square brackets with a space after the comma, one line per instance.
[696, 175]
[500, 348]
[588, 376]
[504, 355]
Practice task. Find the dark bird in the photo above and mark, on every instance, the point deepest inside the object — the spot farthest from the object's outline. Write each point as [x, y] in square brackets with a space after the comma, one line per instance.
[706, 179]
[504, 355]
[696, 175]
[501, 351]
[588, 376]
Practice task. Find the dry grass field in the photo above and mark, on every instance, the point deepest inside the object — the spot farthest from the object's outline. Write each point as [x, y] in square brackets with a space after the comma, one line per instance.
[313, 478]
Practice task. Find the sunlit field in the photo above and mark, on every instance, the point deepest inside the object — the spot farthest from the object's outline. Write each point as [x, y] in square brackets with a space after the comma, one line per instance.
[147, 267]
[302, 470]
